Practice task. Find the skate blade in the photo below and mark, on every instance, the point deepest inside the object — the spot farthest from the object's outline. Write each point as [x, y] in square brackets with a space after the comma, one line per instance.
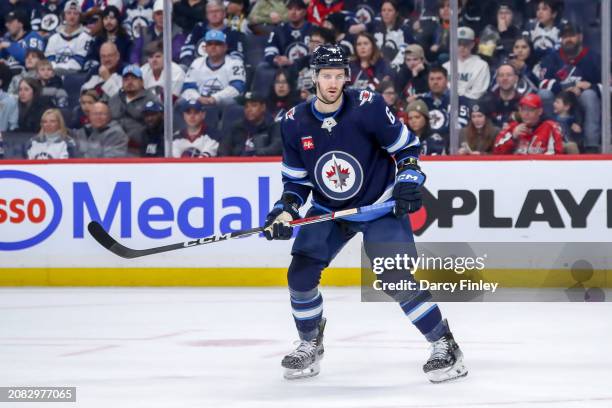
[453, 373]
[296, 374]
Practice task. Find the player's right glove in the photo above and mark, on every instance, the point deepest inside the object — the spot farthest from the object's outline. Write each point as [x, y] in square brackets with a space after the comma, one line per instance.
[406, 192]
[277, 222]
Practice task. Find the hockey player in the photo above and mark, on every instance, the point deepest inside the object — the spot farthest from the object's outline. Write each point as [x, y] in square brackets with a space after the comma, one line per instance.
[69, 46]
[217, 78]
[348, 149]
[18, 39]
[530, 135]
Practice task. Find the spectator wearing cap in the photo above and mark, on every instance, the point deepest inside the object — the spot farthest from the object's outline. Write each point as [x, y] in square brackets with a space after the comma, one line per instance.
[31, 59]
[153, 143]
[288, 42]
[153, 71]
[193, 140]
[530, 135]
[113, 31]
[544, 31]
[577, 69]
[480, 133]
[432, 143]
[67, 49]
[256, 135]
[236, 16]
[195, 44]
[216, 79]
[126, 106]
[473, 71]
[272, 12]
[31, 105]
[154, 32]
[18, 39]
[9, 114]
[106, 78]
[29, 8]
[92, 20]
[504, 97]
[319, 9]
[188, 13]
[102, 137]
[411, 80]
[369, 68]
[390, 33]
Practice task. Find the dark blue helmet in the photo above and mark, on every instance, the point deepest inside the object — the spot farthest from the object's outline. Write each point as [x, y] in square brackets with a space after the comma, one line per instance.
[329, 56]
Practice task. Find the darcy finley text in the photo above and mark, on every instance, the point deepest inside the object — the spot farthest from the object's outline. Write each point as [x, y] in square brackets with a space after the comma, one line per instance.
[464, 284]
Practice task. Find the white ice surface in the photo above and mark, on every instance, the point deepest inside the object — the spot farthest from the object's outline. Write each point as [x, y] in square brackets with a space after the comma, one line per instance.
[200, 348]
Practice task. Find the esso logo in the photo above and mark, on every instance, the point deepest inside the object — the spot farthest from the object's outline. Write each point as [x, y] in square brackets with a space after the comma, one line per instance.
[30, 210]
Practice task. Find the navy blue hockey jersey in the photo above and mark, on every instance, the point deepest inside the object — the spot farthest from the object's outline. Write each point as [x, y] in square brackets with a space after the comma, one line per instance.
[557, 71]
[346, 158]
[439, 113]
[288, 41]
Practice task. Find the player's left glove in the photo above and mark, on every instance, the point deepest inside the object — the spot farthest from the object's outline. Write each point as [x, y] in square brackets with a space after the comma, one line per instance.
[406, 192]
[277, 222]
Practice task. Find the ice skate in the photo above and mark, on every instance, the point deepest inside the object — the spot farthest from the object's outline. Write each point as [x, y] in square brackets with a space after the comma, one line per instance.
[304, 361]
[446, 361]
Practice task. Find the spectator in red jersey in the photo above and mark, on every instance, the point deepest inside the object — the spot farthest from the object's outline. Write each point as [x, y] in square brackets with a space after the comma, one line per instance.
[319, 9]
[530, 135]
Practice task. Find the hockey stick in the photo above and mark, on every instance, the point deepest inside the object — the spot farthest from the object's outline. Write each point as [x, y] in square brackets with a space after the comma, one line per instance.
[97, 231]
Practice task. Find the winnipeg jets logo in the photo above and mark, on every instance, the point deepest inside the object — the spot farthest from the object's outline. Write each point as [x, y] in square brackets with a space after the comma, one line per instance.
[436, 119]
[338, 175]
[365, 96]
[328, 124]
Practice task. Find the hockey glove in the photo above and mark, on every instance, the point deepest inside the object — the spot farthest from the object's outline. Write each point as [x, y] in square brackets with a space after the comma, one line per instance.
[277, 225]
[406, 192]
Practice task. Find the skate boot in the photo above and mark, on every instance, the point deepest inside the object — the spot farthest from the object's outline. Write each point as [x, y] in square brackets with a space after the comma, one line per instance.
[304, 361]
[446, 360]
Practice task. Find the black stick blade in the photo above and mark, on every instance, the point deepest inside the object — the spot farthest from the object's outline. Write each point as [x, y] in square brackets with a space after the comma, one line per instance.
[99, 234]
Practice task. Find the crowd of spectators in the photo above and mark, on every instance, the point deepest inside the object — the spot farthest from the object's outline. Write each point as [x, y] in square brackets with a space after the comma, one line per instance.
[84, 78]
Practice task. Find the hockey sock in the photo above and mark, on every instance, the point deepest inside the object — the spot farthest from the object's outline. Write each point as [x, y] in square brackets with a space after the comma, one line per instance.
[307, 309]
[426, 316]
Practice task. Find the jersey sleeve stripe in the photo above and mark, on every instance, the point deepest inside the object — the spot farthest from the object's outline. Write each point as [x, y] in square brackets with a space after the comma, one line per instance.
[405, 140]
[293, 172]
[303, 182]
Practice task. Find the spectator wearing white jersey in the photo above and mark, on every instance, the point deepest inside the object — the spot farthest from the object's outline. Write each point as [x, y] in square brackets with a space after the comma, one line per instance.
[216, 79]
[153, 71]
[473, 71]
[193, 140]
[53, 140]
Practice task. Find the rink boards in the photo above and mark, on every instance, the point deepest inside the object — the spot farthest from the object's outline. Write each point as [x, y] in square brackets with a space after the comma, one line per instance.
[45, 208]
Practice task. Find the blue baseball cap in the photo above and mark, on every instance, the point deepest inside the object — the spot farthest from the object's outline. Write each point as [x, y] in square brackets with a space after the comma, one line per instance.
[132, 70]
[153, 106]
[214, 35]
[192, 104]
